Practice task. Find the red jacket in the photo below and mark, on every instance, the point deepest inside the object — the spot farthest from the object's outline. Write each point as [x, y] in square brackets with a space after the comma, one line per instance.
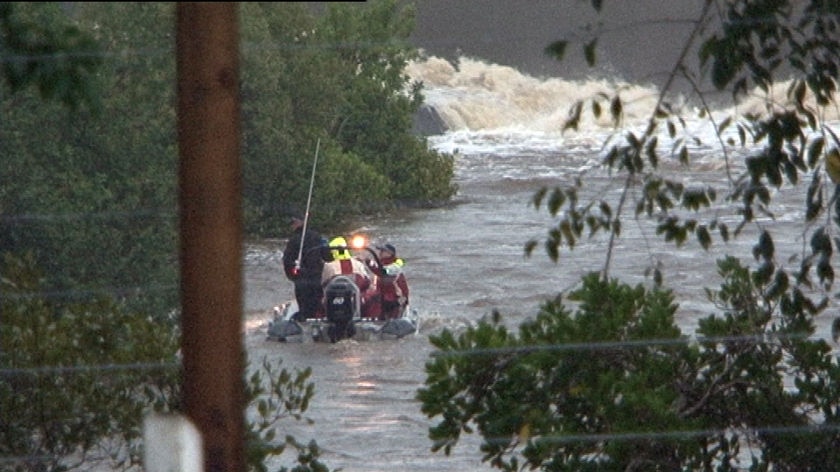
[392, 283]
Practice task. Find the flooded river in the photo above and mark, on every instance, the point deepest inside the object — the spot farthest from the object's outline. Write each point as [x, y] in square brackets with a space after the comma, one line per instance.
[466, 260]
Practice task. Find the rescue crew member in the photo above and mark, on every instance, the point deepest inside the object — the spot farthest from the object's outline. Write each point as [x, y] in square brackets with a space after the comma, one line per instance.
[305, 273]
[343, 263]
[393, 285]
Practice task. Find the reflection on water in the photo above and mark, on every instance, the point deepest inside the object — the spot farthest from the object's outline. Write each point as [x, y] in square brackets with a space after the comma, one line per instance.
[365, 414]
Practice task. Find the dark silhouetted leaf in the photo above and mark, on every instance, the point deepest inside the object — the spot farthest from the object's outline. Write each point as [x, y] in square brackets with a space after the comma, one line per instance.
[555, 201]
[703, 236]
[529, 247]
[765, 248]
[589, 52]
[538, 197]
[616, 109]
[557, 50]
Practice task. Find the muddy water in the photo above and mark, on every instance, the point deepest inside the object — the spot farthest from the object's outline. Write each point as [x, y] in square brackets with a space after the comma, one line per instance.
[462, 262]
[467, 260]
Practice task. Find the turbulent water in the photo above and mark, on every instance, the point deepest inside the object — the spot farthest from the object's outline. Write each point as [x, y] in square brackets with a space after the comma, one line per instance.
[466, 260]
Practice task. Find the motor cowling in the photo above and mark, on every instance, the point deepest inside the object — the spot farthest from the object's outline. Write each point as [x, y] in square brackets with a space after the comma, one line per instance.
[341, 300]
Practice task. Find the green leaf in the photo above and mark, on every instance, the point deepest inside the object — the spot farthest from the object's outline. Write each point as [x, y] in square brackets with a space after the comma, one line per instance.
[704, 237]
[568, 232]
[657, 277]
[605, 209]
[650, 151]
[683, 155]
[821, 242]
[814, 152]
[724, 124]
[765, 248]
[529, 247]
[556, 49]
[556, 201]
[825, 271]
[616, 110]
[742, 135]
[724, 232]
[537, 199]
[764, 272]
[589, 52]
[574, 116]
[799, 89]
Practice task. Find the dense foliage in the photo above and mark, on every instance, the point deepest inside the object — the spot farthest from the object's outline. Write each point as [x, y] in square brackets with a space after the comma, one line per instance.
[97, 183]
[92, 195]
[41, 48]
[336, 79]
[77, 379]
[614, 385]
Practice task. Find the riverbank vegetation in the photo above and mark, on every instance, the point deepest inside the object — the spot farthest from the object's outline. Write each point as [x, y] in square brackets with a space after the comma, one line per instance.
[602, 378]
[102, 173]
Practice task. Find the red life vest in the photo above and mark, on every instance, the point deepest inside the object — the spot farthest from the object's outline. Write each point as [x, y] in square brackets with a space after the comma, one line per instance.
[346, 266]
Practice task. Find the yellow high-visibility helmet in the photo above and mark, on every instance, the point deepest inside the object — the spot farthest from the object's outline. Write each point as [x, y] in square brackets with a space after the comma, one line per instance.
[337, 243]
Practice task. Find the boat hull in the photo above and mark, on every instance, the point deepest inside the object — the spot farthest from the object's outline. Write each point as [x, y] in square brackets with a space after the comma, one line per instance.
[284, 328]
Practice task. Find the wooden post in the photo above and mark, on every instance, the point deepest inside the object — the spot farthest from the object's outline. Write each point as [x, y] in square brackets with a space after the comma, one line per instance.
[207, 55]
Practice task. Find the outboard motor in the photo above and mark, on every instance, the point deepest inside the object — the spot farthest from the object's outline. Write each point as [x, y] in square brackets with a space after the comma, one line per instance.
[342, 302]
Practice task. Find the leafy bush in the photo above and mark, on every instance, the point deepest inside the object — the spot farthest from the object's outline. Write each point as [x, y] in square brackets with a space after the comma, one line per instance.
[92, 195]
[616, 386]
[552, 395]
[336, 79]
[74, 179]
[283, 396]
[78, 378]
